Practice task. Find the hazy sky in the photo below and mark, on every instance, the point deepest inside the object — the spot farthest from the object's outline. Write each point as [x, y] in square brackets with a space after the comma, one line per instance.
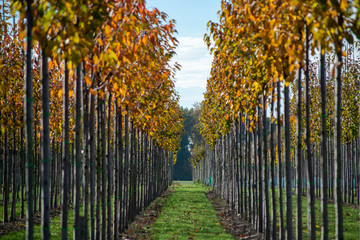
[191, 23]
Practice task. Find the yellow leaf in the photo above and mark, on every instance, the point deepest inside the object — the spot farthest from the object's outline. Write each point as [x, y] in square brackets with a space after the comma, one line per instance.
[107, 29]
[21, 35]
[60, 93]
[343, 5]
[145, 39]
[76, 38]
[122, 92]
[100, 41]
[113, 55]
[88, 80]
[95, 59]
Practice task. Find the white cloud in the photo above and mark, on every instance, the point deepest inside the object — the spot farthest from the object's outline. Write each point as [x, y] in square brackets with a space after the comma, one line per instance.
[195, 59]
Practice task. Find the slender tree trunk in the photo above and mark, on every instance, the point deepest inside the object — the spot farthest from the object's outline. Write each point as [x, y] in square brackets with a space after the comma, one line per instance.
[298, 157]
[28, 113]
[237, 159]
[22, 213]
[337, 142]
[241, 170]
[289, 211]
[85, 169]
[324, 162]
[310, 166]
[98, 169]
[272, 172]
[121, 176]
[281, 221]
[77, 160]
[13, 175]
[266, 172]
[253, 199]
[65, 159]
[92, 165]
[126, 168]
[109, 169]
[116, 170]
[103, 168]
[6, 179]
[45, 203]
[52, 173]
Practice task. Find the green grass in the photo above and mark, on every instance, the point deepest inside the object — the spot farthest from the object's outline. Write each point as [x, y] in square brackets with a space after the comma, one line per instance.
[351, 218]
[183, 182]
[18, 207]
[55, 229]
[188, 214]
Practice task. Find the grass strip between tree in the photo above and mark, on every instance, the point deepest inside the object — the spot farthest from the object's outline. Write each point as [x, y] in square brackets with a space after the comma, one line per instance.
[188, 214]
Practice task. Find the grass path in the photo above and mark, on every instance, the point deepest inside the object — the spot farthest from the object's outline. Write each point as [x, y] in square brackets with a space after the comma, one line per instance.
[188, 214]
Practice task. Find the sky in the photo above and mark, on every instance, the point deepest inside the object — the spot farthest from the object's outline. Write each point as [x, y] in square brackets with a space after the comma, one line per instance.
[191, 18]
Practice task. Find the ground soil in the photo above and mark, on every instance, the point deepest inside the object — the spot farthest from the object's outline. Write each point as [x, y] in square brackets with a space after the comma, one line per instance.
[232, 221]
[140, 227]
[19, 224]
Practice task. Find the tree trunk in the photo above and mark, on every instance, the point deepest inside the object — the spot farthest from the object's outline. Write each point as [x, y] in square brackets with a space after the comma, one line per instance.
[298, 157]
[77, 160]
[337, 142]
[85, 162]
[324, 162]
[279, 144]
[266, 172]
[116, 170]
[289, 212]
[126, 168]
[13, 175]
[98, 168]
[28, 113]
[22, 157]
[310, 166]
[6, 178]
[109, 169]
[102, 144]
[66, 157]
[92, 165]
[45, 203]
[272, 171]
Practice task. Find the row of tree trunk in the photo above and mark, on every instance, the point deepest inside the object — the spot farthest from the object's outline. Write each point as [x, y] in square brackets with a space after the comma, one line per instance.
[251, 172]
[108, 168]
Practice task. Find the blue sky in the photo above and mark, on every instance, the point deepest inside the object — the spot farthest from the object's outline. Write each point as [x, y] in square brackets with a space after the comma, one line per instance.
[191, 23]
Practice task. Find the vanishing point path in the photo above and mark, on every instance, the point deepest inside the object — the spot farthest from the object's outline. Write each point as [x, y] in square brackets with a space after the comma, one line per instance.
[192, 213]
[189, 214]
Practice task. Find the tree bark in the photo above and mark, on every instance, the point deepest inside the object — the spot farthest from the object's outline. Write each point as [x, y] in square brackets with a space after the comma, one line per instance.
[109, 169]
[289, 211]
[272, 171]
[29, 119]
[298, 157]
[324, 162]
[337, 142]
[77, 159]
[310, 166]
[85, 147]
[45, 203]
[279, 144]
[92, 165]
[266, 172]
